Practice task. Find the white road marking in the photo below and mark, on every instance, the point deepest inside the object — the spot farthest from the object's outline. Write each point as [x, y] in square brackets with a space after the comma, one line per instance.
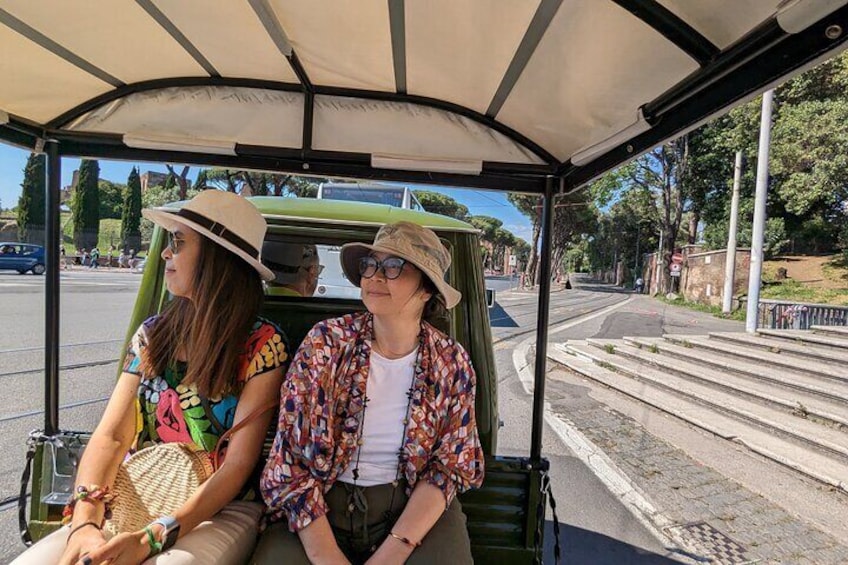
[585, 450]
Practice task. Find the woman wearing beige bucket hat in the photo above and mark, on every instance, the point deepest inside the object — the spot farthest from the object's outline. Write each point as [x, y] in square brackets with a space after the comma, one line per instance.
[377, 433]
[202, 366]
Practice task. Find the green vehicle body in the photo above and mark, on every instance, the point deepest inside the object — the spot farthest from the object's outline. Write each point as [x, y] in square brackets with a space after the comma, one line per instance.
[502, 516]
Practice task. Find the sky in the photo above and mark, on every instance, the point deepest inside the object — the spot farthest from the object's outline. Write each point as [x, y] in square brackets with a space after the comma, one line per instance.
[479, 202]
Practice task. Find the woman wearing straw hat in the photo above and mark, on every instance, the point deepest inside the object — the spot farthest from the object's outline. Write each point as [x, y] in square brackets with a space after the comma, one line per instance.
[203, 365]
[377, 433]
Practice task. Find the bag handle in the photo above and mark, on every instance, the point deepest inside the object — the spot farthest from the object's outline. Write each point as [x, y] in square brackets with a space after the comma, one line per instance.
[23, 525]
[218, 453]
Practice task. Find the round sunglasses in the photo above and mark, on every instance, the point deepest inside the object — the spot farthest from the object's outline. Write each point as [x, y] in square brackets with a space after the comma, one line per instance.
[392, 267]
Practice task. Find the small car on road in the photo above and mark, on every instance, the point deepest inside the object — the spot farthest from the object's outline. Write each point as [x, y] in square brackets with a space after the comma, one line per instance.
[22, 257]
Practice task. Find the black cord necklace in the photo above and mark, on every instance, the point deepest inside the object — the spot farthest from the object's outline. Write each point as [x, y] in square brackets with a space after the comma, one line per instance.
[401, 458]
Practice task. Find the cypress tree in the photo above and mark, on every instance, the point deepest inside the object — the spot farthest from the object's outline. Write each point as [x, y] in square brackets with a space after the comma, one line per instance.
[86, 205]
[131, 213]
[31, 203]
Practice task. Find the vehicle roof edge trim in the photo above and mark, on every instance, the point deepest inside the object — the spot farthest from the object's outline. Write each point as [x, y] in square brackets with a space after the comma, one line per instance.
[801, 14]
[446, 165]
[526, 179]
[173, 143]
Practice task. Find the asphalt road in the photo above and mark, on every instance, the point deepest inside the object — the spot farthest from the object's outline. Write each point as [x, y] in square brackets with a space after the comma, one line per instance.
[96, 307]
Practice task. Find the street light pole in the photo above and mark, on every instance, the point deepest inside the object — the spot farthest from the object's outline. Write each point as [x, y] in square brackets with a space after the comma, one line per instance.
[730, 259]
[756, 272]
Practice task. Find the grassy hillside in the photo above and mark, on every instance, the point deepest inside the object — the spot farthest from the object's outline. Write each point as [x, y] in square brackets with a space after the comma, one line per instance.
[818, 279]
[110, 234]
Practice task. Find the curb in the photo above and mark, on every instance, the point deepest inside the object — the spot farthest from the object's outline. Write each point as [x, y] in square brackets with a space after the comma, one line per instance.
[590, 454]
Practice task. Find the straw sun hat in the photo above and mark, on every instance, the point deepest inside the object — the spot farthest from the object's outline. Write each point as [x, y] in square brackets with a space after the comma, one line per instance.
[226, 218]
[418, 245]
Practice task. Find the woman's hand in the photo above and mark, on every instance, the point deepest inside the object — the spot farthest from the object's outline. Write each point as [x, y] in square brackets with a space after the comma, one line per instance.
[123, 549]
[84, 540]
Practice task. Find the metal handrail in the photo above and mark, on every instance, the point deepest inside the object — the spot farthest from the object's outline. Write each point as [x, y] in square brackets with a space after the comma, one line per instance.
[783, 314]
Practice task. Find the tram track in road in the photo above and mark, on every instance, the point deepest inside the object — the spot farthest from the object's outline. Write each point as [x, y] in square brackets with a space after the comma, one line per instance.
[72, 367]
[67, 345]
[40, 411]
[588, 306]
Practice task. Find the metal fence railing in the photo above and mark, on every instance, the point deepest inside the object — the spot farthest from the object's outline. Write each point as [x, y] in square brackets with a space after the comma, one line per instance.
[782, 315]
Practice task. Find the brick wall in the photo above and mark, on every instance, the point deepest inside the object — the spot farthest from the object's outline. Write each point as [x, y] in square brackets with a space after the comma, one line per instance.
[702, 279]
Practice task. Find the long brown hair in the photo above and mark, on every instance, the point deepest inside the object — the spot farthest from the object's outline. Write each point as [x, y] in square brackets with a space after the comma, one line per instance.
[212, 328]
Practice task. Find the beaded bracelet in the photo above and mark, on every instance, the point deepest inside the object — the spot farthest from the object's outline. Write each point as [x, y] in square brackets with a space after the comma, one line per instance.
[93, 493]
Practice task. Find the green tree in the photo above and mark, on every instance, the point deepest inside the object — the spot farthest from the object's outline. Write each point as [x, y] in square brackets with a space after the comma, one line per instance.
[31, 204]
[86, 205]
[531, 206]
[131, 213]
[439, 203]
[156, 196]
[261, 184]
[111, 199]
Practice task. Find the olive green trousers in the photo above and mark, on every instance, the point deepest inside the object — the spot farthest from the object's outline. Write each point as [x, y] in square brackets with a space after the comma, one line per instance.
[361, 518]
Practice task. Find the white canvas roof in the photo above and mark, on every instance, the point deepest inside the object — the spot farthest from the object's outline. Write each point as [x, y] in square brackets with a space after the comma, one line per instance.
[490, 92]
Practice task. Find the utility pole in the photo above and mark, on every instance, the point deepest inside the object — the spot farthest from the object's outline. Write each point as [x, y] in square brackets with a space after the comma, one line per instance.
[758, 235]
[659, 263]
[730, 259]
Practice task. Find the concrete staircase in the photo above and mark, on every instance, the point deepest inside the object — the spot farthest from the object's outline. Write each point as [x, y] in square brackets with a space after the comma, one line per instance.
[781, 393]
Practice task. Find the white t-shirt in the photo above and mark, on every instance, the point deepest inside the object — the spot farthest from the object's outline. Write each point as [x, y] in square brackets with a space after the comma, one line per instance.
[388, 382]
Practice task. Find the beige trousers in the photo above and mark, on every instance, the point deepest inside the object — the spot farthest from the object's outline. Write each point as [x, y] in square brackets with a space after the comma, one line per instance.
[228, 538]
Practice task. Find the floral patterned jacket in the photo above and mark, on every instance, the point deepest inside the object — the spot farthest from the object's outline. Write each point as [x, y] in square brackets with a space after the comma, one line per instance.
[322, 404]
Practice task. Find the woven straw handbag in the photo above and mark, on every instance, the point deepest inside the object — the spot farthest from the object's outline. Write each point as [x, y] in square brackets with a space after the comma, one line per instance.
[157, 480]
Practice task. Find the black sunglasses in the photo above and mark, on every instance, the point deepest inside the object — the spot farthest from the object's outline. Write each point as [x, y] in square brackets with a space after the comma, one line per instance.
[392, 267]
[175, 244]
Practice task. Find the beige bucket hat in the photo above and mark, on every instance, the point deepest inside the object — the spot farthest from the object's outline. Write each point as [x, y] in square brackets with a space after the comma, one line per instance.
[228, 219]
[417, 244]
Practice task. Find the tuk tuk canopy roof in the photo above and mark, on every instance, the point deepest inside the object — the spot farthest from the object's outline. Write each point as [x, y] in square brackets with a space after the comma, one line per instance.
[474, 92]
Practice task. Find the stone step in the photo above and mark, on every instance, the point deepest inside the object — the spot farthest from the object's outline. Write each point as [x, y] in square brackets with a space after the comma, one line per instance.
[805, 336]
[838, 331]
[791, 400]
[805, 460]
[785, 347]
[825, 388]
[765, 360]
[814, 435]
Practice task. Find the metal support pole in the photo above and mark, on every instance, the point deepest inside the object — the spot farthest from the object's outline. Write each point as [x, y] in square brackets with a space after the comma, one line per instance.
[758, 235]
[730, 259]
[542, 322]
[51, 289]
[659, 264]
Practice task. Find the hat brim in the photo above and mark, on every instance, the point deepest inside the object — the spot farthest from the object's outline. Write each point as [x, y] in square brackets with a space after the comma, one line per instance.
[169, 220]
[351, 253]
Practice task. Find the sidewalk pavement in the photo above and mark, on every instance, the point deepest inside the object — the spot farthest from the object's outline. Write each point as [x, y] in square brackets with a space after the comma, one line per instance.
[706, 495]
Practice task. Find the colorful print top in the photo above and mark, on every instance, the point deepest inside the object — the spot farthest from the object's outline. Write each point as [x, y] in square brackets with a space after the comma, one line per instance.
[170, 411]
[322, 405]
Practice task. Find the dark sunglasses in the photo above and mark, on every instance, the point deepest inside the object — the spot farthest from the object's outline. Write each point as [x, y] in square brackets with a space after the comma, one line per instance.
[392, 267]
[175, 244]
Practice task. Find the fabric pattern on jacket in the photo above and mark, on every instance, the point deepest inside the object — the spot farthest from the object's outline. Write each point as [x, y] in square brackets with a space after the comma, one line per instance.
[322, 403]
